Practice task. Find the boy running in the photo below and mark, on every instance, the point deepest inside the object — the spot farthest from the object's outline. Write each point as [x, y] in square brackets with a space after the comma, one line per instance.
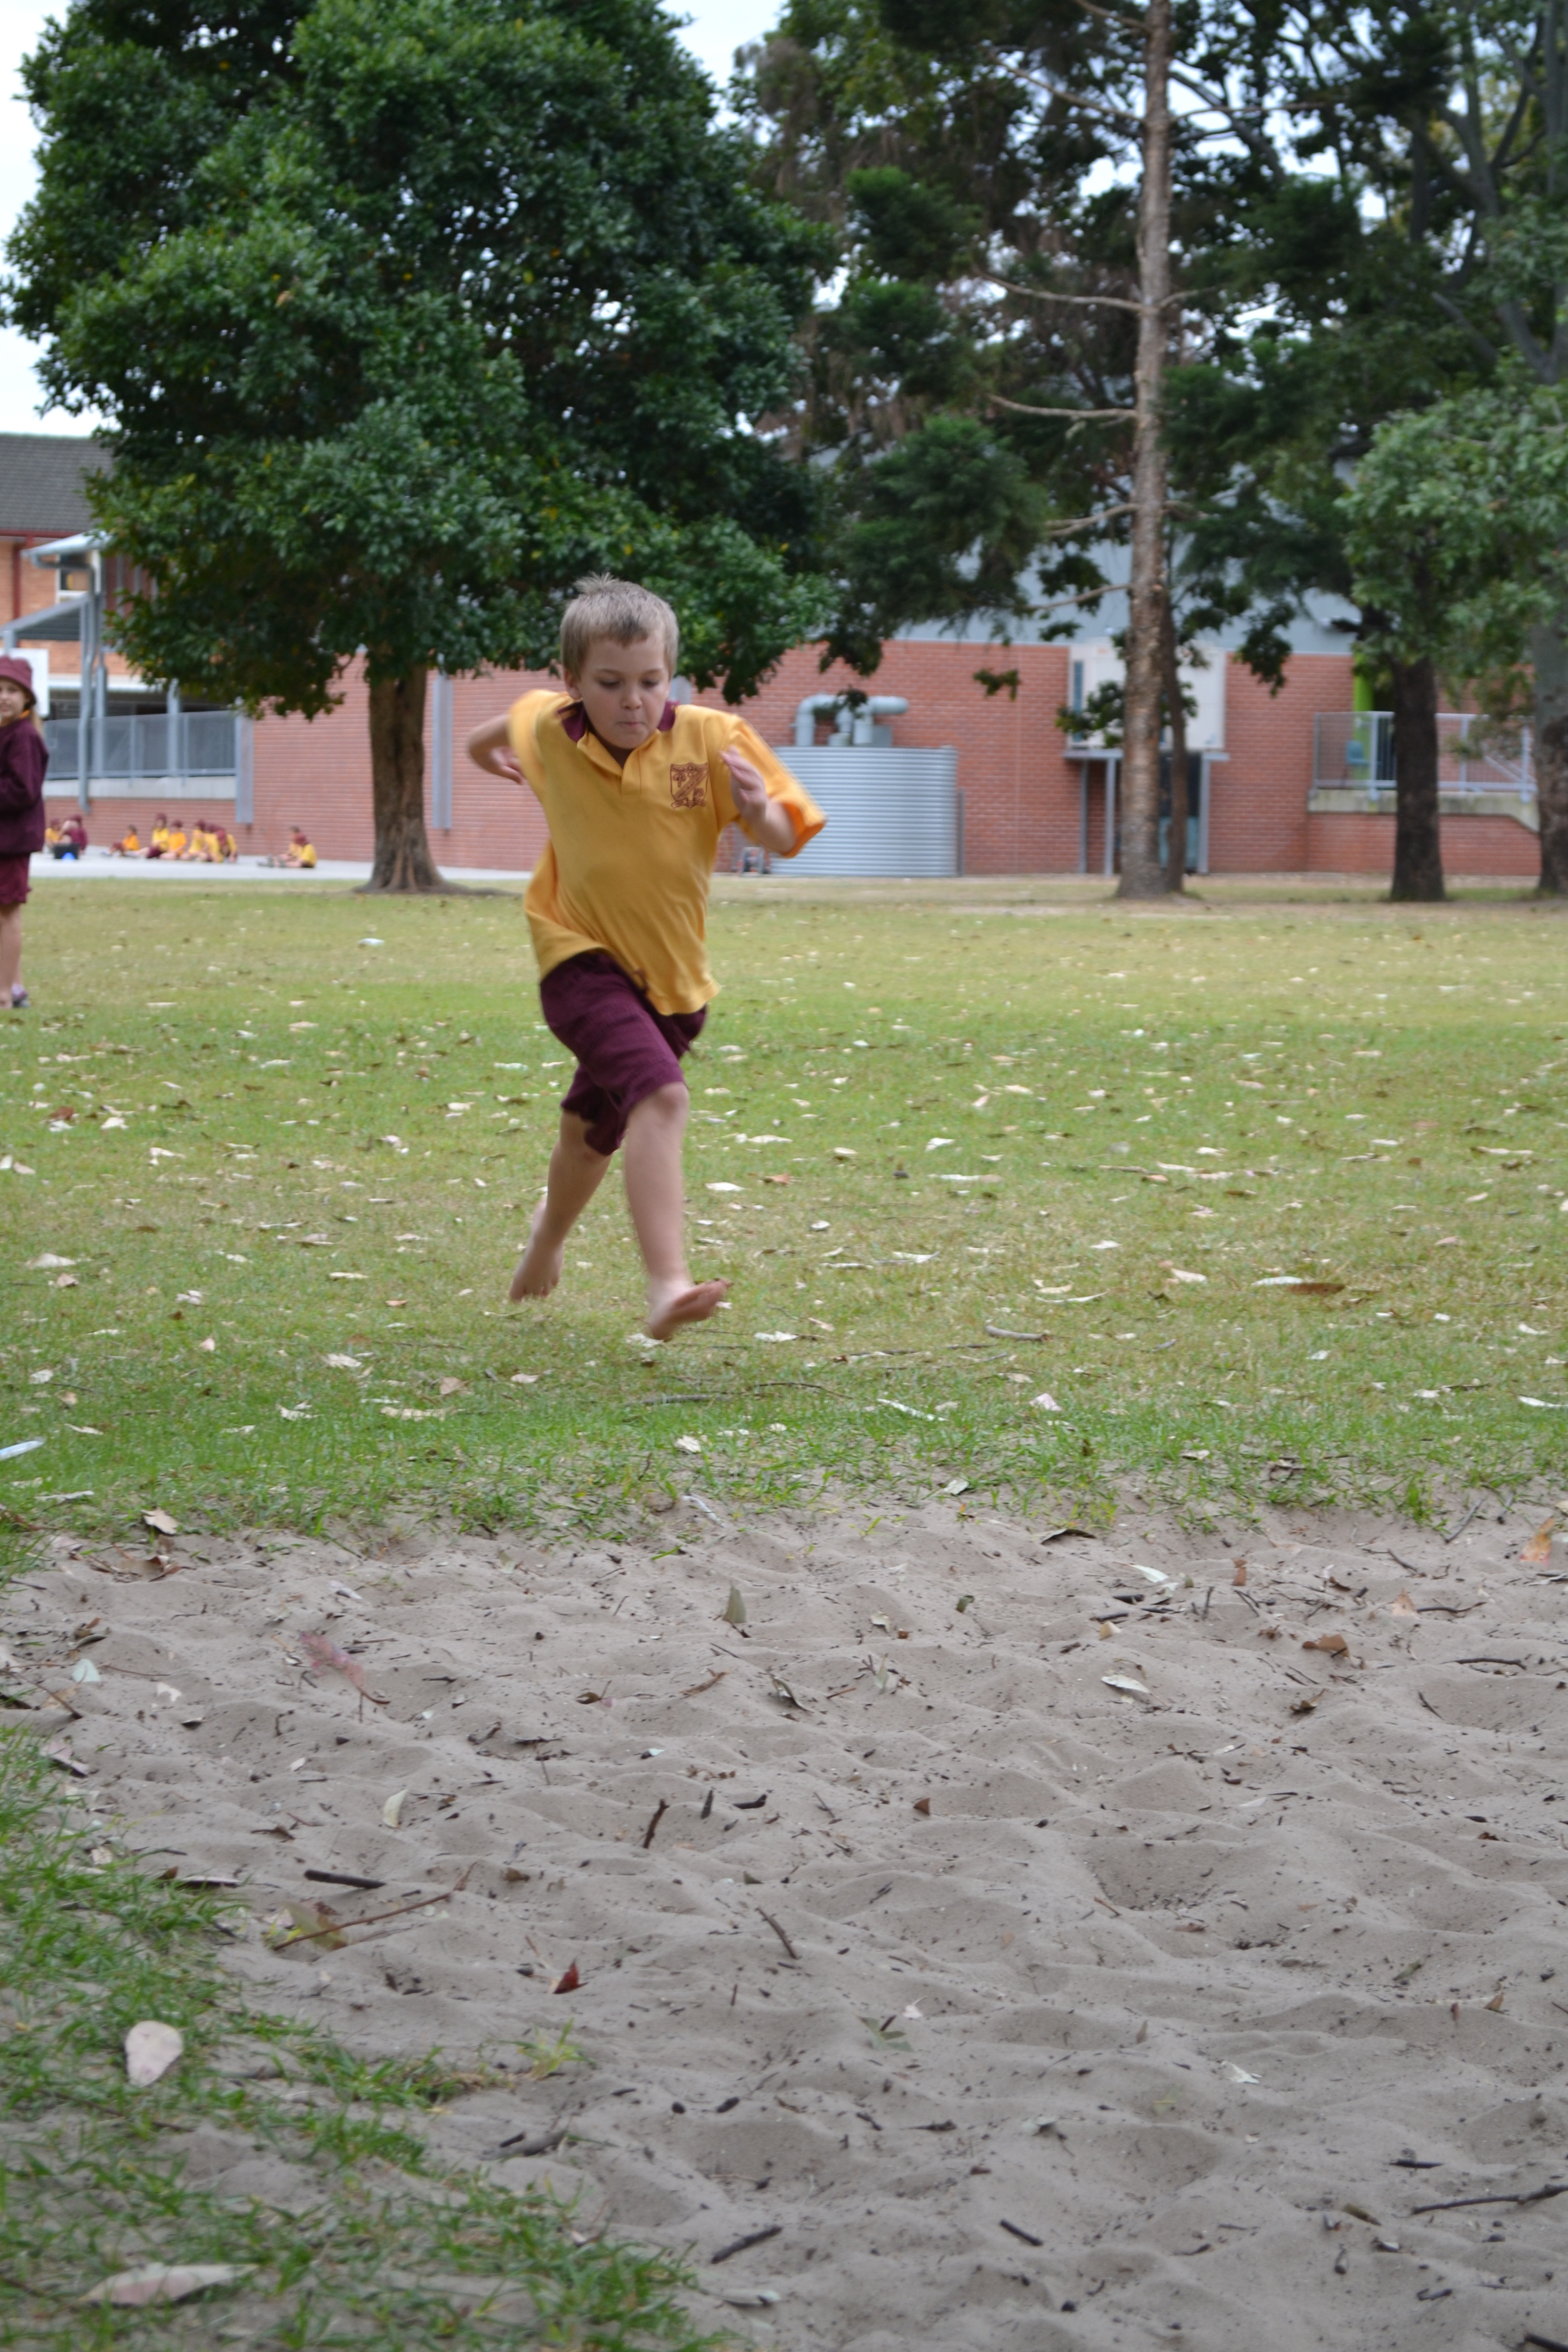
[635, 793]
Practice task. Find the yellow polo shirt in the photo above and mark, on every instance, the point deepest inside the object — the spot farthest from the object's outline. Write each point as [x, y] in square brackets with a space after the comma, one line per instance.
[631, 848]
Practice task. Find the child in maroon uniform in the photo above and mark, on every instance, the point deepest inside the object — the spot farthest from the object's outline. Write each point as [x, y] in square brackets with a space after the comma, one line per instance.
[24, 758]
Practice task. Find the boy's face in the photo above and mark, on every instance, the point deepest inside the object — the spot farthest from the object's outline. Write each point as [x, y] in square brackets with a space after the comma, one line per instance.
[624, 689]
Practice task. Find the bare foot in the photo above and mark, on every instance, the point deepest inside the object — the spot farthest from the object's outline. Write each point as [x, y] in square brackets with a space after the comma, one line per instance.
[538, 1269]
[689, 1303]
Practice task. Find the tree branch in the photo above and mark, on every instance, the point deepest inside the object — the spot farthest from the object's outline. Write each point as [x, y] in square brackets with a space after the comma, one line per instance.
[1082, 522]
[1084, 302]
[1024, 408]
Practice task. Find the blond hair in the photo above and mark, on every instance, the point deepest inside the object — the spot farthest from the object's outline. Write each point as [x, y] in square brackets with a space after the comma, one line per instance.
[604, 607]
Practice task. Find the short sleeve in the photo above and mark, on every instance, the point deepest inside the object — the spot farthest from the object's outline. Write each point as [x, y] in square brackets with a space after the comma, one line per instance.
[521, 727]
[804, 815]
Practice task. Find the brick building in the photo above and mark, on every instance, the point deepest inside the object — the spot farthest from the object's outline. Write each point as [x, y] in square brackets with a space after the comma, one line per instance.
[1293, 782]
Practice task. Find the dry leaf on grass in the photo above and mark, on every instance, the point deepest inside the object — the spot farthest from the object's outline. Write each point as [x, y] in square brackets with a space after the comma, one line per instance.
[161, 1522]
[166, 2281]
[150, 2050]
[325, 1652]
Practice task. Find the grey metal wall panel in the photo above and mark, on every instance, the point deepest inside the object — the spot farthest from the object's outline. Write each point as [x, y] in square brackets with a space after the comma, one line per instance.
[890, 813]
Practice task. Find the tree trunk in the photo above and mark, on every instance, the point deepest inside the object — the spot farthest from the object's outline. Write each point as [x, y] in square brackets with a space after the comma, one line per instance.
[1417, 846]
[1170, 662]
[1549, 651]
[403, 859]
[1142, 877]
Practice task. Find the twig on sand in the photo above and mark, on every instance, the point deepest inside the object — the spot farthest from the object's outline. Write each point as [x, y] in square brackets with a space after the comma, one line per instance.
[520, 2143]
[342, 1926]
[659, 1812]
[779, 1934]
[1465, 1522]
[1531, 2197]
[751, 2238]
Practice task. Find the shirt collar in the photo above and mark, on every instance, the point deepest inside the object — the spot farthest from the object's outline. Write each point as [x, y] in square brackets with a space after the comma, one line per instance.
[575, 720]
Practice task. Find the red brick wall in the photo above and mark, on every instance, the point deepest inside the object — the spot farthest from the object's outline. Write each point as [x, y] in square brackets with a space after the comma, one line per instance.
[1021, 789]
[1475, 846]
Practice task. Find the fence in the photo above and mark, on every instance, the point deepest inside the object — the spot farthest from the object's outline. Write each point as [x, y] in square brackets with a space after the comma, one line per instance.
[153, 745]
[1355, 748]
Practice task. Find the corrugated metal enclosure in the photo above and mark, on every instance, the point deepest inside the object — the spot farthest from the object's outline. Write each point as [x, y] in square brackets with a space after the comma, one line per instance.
[890, 813]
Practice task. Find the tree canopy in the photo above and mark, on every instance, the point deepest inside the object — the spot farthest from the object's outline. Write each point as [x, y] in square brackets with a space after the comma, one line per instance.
[405, 315]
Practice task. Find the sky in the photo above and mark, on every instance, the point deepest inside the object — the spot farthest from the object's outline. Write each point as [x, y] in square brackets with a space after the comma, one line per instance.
[715, 30]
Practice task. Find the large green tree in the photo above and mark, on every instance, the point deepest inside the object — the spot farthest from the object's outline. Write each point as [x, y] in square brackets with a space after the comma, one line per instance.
[1459, 532]
[1453, 117]
[402, 316]
[1020, 296]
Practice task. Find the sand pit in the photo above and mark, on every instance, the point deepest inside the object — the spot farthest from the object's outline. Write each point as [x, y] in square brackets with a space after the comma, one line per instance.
[1030, 1986]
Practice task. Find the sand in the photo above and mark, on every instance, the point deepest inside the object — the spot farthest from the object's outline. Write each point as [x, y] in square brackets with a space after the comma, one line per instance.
[1023, 2009]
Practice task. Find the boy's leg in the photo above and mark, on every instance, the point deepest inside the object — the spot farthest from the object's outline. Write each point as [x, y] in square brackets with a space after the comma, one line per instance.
[576, 1172]
[657, 1199]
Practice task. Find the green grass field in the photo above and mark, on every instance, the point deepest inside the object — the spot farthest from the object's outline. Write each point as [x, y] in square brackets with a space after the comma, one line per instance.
[959, 1150]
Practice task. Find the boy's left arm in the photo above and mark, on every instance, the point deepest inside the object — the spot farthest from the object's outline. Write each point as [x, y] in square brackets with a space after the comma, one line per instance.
[771, 807]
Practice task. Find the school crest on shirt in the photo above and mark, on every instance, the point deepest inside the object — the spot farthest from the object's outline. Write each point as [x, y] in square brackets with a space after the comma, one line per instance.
[688, 784]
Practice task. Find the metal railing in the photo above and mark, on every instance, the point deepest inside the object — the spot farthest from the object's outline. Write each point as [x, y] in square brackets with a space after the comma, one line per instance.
[148, 743]
[1355, 748]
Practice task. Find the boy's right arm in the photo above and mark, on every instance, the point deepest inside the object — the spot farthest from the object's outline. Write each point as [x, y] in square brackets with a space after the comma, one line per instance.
[489, 747]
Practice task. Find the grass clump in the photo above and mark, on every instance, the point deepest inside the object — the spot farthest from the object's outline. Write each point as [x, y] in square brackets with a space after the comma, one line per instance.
[959, 1151]
[361, 2237]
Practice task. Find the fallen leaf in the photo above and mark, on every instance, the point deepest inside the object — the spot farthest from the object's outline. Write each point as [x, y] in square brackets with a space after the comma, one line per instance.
[1402, 1605]
[1046, 1403]
[1235, 2073]
[161, 1522]
[568, 1981]
[1538, 1547]
[392, 1811]
[1302, 1706]
[1497, 2000]
[1334, 1644]
[689, 1445]
[166, 2281]
[343, 1363]
[326, 1652]
[1126, 1683]
[1180, 1274]
[59, 1752]
[734, 1610]
[923, 1805]
[1240, 1576]
[452, 1386]
[150, 2050]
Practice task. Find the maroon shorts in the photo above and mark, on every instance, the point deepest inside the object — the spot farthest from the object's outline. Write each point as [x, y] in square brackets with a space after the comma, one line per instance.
[625, 1050]
[15, 879]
